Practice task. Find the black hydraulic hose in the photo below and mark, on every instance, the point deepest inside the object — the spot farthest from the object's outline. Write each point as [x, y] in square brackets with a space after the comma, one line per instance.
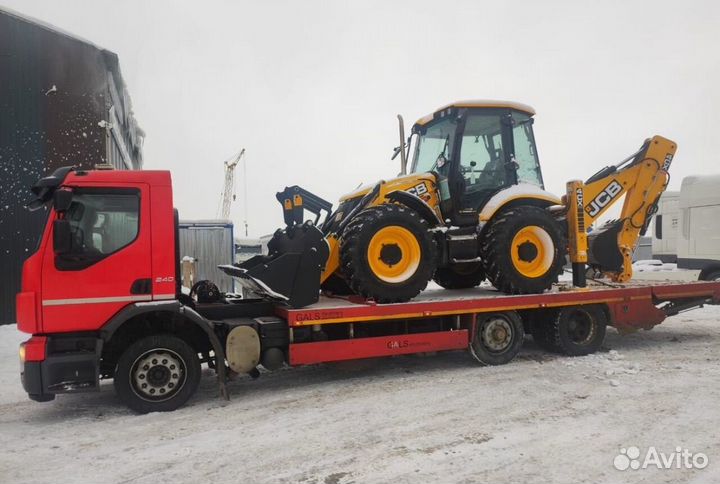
[363, 203]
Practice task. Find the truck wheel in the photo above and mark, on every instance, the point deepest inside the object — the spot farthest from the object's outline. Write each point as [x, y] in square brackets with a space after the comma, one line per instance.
[523, 250]
[540, 325]
[388, 254]
[459, 276]
[710, 276]
[578, 330]
[157, 374]
[498, 338]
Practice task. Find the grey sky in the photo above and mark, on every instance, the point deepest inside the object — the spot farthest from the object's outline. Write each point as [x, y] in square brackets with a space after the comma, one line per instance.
[311, 89]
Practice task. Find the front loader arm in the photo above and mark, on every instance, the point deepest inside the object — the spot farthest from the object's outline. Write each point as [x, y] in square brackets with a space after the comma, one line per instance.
[642, 178]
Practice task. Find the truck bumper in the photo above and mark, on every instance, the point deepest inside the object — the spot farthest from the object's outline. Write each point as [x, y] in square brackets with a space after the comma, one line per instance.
[71, 365]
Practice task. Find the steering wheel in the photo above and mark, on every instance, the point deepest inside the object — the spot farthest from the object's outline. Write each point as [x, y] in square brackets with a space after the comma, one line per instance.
[79, 238]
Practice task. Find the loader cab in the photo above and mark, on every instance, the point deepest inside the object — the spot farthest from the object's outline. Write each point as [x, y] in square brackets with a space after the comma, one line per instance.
[476, 149]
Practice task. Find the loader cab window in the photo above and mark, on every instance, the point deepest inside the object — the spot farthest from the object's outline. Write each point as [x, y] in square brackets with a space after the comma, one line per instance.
[101, 223]
[435, 146]
[525, 150]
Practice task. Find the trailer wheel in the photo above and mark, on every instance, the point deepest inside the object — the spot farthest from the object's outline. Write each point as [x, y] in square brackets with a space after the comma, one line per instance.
[498, 338]
[459, 276]
[578, 330]
[710, 276]
[523, 250]
[540, 325]
[157, 374]
[388, 254]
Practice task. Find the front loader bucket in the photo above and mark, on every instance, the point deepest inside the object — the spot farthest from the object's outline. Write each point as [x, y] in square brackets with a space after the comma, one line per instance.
[290, 272]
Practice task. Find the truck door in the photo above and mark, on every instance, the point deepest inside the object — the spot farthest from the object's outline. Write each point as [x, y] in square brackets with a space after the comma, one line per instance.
[108, 264]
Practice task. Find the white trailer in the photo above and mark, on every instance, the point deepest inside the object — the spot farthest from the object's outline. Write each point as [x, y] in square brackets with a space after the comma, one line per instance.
[666, 224]
[698, 240]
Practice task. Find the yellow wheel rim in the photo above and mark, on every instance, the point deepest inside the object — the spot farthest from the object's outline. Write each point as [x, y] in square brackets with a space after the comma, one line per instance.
[532, 251]
[394, 254]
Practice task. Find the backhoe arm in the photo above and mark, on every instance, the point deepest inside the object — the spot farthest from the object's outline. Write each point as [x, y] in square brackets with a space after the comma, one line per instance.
[641, 178]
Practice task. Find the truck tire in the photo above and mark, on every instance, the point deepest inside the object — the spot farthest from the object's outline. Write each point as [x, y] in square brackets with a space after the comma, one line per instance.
[498, 338]
[388, 254]
[459, 276]
[540, 324]
[710, 276]
[523, 250]
[578, 330]
[157, 374]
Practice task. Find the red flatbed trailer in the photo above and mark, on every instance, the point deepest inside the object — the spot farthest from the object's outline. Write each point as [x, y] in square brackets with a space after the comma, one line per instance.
[631, 306]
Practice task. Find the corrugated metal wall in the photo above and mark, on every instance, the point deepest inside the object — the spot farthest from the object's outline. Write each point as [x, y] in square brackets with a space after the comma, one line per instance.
[210, 243]
[53, 93]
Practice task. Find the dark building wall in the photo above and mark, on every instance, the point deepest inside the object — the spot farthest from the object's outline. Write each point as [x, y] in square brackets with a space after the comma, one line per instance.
[55, 100]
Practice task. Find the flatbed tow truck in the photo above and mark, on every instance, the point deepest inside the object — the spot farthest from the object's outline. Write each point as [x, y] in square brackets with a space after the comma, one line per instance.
[102, 300]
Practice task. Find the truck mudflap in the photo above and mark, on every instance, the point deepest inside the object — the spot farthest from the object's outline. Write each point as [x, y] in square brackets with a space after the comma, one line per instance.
[290, 272]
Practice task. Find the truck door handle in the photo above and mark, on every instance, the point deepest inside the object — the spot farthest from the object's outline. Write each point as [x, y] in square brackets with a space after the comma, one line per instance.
[141, 286]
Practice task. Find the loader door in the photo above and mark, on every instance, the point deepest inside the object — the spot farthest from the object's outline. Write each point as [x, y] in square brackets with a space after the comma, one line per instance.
[481, 168]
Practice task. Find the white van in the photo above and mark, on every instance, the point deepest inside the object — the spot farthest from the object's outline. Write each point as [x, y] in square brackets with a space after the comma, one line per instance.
[698, 240]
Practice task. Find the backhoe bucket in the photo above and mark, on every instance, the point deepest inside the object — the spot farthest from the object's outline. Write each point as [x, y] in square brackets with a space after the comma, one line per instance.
[603, 251]
[290, 273]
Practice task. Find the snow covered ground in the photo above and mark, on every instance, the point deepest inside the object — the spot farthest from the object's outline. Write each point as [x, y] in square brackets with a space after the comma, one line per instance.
[541, 418]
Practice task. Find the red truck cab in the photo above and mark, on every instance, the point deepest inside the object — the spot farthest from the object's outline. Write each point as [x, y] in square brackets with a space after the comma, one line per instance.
[109, 242]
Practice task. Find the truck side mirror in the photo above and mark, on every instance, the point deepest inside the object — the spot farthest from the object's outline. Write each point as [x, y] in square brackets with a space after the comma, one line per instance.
[62, 237]
[62, 200]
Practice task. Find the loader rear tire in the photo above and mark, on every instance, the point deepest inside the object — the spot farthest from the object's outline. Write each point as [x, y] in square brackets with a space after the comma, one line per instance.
[523, 250]
[460, 276]
[388, 254]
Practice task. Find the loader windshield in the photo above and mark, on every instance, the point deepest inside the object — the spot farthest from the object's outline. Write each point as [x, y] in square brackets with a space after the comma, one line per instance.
[435, 146]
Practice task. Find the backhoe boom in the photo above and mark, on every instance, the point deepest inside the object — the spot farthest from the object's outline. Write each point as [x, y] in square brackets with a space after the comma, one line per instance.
[609, 249]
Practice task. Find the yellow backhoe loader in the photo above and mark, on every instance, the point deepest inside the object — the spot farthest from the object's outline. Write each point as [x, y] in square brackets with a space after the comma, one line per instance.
[472, 207]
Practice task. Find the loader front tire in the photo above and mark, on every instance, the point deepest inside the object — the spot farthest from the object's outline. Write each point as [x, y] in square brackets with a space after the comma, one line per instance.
[388, 254]
[523, 250]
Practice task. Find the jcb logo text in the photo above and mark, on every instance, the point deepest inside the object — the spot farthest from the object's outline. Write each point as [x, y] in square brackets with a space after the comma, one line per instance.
[604, 198]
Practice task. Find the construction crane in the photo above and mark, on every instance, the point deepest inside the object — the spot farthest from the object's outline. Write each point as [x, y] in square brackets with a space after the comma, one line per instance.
[228, 193]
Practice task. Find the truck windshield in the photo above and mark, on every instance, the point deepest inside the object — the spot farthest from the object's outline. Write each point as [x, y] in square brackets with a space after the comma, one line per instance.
[435, 144]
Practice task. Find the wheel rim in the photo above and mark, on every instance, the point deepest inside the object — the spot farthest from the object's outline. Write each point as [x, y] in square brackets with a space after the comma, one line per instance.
[496, 335]
[580, 327]
[158, 375]
[394, 254]
[532, 251]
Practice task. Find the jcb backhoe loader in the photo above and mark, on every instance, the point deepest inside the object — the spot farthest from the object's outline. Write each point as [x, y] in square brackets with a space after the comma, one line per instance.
[473, 207]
